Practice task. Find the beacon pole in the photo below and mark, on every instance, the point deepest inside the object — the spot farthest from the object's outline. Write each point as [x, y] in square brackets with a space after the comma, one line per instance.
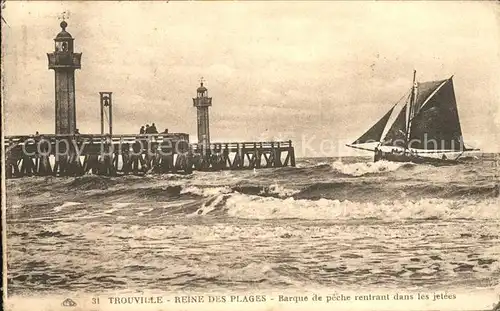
[110, 115]
[106, 103]
[102, 114]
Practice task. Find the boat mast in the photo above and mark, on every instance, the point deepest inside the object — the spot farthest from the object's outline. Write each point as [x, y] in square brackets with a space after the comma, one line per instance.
[410, 109]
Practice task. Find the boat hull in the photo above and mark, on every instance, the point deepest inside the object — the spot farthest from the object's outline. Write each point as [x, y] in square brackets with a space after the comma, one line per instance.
[406, 157]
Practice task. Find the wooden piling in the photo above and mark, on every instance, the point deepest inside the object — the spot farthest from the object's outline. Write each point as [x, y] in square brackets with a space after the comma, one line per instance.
[138, 154]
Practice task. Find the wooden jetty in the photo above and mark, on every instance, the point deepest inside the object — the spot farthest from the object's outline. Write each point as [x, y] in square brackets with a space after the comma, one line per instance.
[113, 155]
[245, 155]
[68, 153]
[75, 155]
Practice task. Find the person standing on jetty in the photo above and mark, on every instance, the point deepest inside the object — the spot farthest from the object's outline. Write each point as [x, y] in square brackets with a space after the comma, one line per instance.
[153, 129]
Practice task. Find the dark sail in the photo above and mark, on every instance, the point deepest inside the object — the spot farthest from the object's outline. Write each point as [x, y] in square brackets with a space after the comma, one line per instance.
[424, 90]
[436, 125]
[375, 132]
[396, 136]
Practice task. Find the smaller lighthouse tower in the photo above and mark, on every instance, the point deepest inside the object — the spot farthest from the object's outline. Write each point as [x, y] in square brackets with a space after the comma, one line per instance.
[202, 102]
[64, 62]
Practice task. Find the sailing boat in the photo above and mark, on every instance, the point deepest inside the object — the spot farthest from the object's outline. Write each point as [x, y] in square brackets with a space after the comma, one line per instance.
[422, 127]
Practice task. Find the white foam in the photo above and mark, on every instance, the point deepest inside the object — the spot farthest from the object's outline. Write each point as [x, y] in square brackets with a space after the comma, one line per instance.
[281, 191]
[208, 208]
[205, 191]
[363, 168]
[141, 213]
[310, 163]
[255, 207]
[65, 204]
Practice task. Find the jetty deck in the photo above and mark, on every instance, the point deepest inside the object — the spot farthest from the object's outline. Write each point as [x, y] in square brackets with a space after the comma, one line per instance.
[114, 155]
[242, 155]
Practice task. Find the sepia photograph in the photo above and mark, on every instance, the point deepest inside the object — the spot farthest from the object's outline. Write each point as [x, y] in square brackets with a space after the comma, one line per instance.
[253, 155]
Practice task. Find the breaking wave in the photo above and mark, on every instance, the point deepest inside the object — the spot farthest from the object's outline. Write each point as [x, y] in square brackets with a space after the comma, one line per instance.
[313, 190]
[256, 207]
[364, 168]
[344, 169]
[347, 190]
[205, 191]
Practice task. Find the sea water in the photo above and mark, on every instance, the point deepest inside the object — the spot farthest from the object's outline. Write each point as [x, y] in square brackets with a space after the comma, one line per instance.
[327, 223]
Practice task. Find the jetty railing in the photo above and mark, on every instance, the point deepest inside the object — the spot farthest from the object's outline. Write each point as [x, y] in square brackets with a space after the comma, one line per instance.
[243, 155]
[111, 155]
[79, 154]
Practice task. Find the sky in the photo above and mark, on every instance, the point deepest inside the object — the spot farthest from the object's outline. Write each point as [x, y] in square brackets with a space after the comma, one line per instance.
[318, 73]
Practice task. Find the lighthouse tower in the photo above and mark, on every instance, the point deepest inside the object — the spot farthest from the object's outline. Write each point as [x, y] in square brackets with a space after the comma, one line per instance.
[64, 62]
[202, 102]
